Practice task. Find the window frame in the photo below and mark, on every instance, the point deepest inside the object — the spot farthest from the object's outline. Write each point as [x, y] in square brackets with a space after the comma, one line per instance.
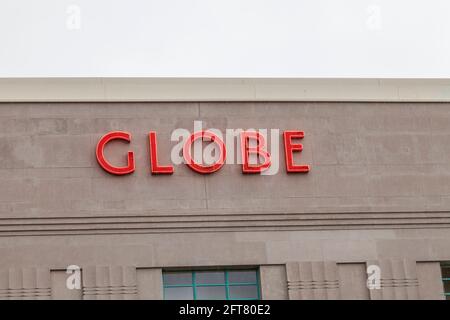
[227, 284]
[445, 265]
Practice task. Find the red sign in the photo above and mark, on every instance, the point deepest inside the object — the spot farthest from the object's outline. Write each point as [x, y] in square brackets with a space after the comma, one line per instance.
[246, 151]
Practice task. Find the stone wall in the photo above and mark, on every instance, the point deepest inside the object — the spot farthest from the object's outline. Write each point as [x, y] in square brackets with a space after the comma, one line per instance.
[378, 190]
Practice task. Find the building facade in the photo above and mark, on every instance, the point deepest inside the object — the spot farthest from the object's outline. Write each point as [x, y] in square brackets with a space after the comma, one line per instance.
[370, 220]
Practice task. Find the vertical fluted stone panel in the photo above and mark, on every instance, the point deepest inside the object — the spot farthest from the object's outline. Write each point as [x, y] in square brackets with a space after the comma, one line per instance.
[109, 282]
[25, 283]
[312, 280]
[398, 280]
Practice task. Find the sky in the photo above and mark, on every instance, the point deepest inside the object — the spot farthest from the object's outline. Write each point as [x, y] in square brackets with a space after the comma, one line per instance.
[226, 38]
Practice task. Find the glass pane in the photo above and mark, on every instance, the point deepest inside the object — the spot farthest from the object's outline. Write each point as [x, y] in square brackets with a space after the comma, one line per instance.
[211, 292]
[446, 272]
[447, 286]
[243, 292]
[210, 277]
[179, 293]
[242, 276]
[177, 278]
[446, 275]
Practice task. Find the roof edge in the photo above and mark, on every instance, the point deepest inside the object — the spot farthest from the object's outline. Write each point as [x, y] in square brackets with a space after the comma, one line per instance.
[223, 89]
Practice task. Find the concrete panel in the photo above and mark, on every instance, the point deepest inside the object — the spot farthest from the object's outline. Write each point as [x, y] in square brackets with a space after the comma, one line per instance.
[273, 282]
[430, 282]
[352, 279]
[150, 284]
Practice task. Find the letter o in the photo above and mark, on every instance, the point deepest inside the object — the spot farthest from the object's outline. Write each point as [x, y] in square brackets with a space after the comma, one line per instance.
[198, 167]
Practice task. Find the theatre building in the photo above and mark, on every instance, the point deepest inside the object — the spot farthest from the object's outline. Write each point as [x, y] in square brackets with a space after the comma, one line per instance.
[303, 189]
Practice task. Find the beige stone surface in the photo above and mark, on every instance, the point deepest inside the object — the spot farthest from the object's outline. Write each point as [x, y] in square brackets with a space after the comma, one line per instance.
[430, 286]
[150, 284]
[273, 282]
[222, 89]
[353, 278]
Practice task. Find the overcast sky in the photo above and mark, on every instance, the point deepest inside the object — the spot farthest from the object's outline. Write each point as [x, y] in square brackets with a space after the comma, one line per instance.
[225, 38]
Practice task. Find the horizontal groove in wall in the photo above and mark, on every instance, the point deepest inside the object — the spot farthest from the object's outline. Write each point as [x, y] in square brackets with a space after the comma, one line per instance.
[217, 223]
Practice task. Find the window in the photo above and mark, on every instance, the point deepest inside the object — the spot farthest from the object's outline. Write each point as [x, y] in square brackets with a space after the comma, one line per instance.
[211, 285]
[446, 280]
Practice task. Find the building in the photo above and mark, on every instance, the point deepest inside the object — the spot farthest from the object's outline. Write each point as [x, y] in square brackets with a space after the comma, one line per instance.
[370, 220]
